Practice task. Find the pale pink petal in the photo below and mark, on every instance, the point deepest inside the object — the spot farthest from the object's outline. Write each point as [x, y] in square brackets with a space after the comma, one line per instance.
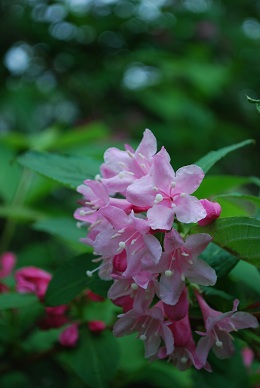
[197, 243]
[171, 288]
[189, 209]
[160, 217]
[201, 273]
[243, 320]
[203, 347]
[141, 193]
[162, 171]
[148, 145]
[188, 178]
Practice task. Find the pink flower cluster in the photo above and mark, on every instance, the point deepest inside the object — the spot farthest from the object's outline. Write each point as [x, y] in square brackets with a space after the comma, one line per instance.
[133, 210]
[35, 280]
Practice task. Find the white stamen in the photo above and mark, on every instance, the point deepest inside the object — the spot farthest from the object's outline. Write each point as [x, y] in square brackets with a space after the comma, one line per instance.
[83, 213]
[121, 230]
[142, 337]
[190, 261]
[133, 241]
[185, 254]
[219, 344]
[184, 360]
[79, 224]
[155, 188]
[89, 273]
[121, 175]
[97, 177]
[182, 195]
[173, 205]
[168, 273]
[121, 164]
[130, 154]
[173, 185]
[142, 165]
[182, 277]
[116, 235]
[134, 286]
[158, 198]
[141, 155]
[121, 244]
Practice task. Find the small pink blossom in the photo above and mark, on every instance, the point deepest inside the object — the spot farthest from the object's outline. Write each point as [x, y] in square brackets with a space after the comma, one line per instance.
[184, 353]
[121, 168]
[167, 194]
[151, 329]
[180, 261]
[7, 263]
[218, 327]
[54, 317]
[96, 326]
[32, 280]
[247, 356]
[213, 210]
[69, 336]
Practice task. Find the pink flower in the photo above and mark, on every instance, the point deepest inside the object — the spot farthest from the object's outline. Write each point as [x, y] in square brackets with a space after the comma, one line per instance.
[213, 210]
[96, 196]
[180, 309]
[129, 234]
[247, 356]
[167, 193]
[69, 336]
[151, 329]
[7, 263]
[32, 280]
[180, 261]
[96, 326]
[218, 326]
[121, 168]
[184, 353]
[55, 317]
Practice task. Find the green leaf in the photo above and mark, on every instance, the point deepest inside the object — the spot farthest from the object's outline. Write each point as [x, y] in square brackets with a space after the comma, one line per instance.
[64, 228]
[95, 359]
[249, 198]
[13, 301]
[20, 213]
[71, 279]
[212, 291]
[238, 235]
[214, 156]
[69, 170]
[220, 184]
[219, 259]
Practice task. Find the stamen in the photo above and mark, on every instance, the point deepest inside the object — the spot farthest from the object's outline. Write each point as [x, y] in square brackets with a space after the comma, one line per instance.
[122, 244]
[142, 165]
[115, 235]
[121, 230]
[155, 188]
[143, 337]
[98, 177]
[79, 224]
[168, 273]
[130, 154]
[133, 241]
[173, 205]
[173, 185]
[90, 273]
[184, 360]
[121, 175]
[185, 254]
[158, 198]
[219, 344]
[134, 286]
[121, 164]
[141, 155]
[182, 195]
[83, 213]
[182, 277]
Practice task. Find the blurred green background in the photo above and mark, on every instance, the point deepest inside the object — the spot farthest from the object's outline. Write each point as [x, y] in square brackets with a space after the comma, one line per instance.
[179, 67]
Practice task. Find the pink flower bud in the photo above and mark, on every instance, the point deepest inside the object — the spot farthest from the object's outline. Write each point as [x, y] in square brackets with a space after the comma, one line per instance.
[94, 297]
[213, 210]
[247, 356]
[7, 262]
[69, 336]
[96, 326]
[32, 280]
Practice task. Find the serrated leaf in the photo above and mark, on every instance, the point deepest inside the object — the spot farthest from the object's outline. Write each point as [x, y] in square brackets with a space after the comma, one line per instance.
[13, 301]
[95, 359]
[238, 235]
[69, 170]
[214, 156]
[71, 279]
